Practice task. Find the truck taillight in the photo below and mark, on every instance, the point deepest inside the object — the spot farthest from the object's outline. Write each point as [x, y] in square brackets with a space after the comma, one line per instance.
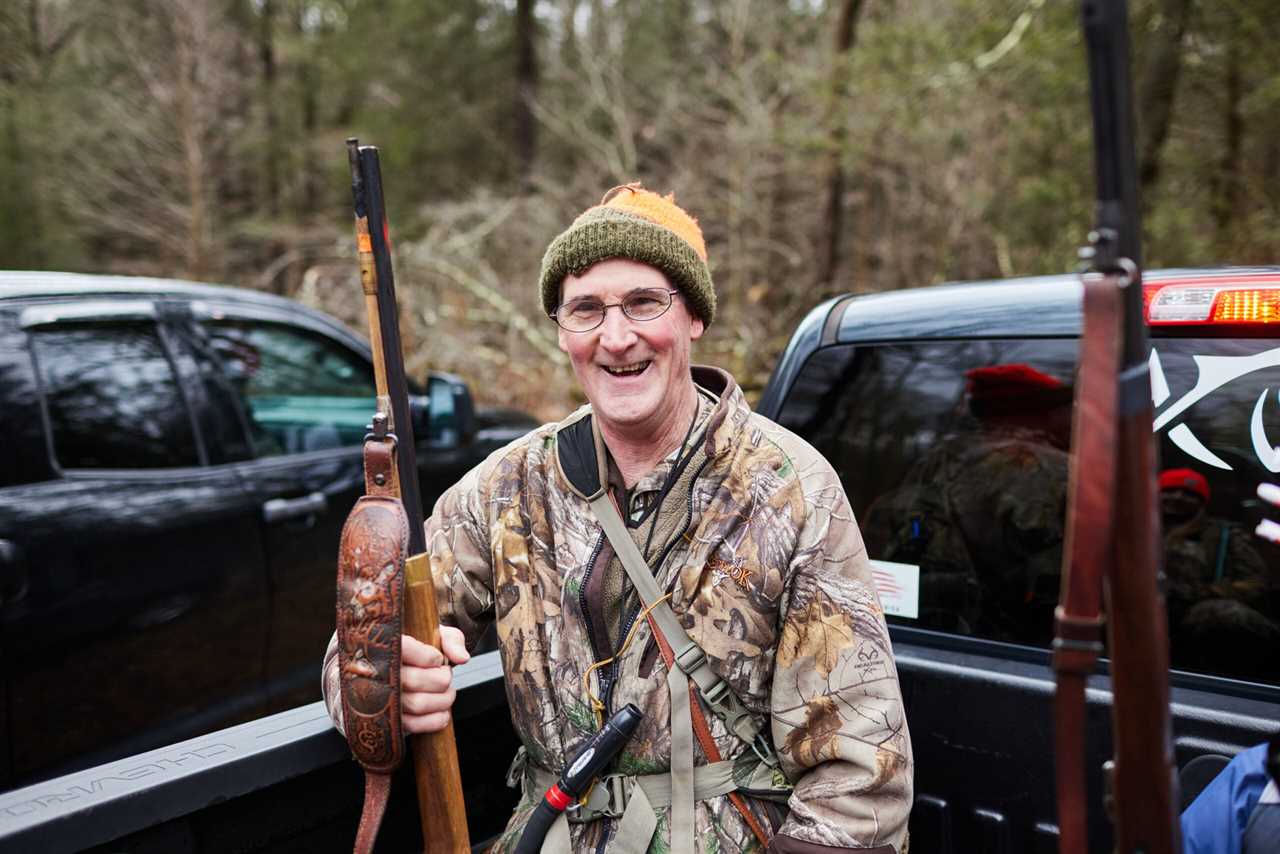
[1225, 301]
[1252, 306]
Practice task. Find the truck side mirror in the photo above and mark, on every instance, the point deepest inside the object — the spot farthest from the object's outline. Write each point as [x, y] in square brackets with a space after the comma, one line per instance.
[446, 416]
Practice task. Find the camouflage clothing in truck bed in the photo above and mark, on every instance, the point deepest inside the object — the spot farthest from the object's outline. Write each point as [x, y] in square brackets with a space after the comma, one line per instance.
[767, 573]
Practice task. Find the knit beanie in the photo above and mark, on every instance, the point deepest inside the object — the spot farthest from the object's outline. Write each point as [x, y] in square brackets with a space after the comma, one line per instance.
[631, 222]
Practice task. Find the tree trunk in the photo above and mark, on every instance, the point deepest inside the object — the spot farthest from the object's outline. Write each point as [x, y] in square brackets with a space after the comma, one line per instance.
[1157, 87]
[267, 58]
[526, 141]
[569, 36]
[35, 213]
[310, 112]
[1226, 182]
[845, 36]
[189, 35]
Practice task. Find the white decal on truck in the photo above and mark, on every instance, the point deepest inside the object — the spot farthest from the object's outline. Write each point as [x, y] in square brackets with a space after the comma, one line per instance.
[1213, 373]
[1261, 444]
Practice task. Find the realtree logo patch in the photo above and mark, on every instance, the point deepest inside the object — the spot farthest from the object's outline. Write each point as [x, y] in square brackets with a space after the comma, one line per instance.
[735, 569]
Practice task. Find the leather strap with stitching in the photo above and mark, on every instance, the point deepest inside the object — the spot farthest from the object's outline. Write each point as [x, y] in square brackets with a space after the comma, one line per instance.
[1078, 624]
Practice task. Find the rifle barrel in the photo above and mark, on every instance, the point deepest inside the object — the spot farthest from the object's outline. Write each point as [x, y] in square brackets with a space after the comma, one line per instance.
[1106, 31]
[392, 352]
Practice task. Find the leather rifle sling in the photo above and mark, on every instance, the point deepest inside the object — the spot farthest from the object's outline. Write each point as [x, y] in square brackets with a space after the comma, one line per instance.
[371, 557]
[1078, 625]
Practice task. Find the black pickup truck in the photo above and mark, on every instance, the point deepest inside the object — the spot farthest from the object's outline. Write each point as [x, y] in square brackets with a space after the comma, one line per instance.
[942, 409]
[176, 463]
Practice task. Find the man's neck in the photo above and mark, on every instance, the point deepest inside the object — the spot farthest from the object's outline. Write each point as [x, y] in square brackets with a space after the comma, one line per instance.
[638, 451]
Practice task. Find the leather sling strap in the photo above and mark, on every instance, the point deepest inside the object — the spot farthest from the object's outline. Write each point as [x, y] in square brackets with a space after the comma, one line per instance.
[1078, 624]
[685, 660]
[371, 557]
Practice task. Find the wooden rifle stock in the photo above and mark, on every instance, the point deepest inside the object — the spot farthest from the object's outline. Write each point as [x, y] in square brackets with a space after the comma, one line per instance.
[1113, 547]
[435, 755]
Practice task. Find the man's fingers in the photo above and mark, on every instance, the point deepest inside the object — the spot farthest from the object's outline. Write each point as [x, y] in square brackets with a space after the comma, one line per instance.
[433, 722]
[454, 643]
[423, 703]
[418, 654]
[432, 680]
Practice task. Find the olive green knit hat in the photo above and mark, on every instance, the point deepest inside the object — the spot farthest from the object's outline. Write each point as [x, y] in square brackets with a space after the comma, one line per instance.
[631, 222]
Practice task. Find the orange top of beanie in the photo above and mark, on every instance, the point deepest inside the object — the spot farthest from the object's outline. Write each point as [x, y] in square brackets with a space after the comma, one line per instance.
[661, 210]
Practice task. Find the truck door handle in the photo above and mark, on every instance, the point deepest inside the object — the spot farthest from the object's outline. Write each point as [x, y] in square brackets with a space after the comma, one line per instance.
[284, 509]
[14, 581]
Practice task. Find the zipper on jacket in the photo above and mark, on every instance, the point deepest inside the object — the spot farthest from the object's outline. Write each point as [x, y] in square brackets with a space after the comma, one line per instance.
[582, 598]
[606, 680]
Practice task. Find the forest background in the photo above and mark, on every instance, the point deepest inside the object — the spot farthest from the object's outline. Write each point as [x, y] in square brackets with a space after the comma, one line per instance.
[826, 147]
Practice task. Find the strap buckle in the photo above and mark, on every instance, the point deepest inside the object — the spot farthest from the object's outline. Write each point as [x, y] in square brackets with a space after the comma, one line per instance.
[606, 799]
[691, 658]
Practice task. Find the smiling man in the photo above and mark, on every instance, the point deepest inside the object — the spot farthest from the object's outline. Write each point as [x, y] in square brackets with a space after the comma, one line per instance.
[664, 546]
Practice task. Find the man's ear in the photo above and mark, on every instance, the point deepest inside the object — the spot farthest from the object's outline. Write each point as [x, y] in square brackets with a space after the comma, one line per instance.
[696, 328]
[562, 338]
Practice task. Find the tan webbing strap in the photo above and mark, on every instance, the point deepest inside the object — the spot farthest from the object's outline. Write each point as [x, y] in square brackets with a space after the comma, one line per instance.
[638, 824]
[1078, 624]
[709, 748]
[689, 657]
[613, 791]
[682, 834]
[638, 802]
[557, 839]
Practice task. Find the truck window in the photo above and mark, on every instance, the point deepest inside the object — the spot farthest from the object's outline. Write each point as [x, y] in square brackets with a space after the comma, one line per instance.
[24, 457]
[112, 399]
[213, 398]
[300, 391]
[954, 455]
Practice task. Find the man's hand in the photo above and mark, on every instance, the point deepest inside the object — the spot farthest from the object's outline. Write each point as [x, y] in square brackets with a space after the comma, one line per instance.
[426, 680]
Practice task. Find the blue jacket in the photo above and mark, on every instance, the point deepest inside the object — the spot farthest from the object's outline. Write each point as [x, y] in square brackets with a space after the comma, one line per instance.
[1216, 820]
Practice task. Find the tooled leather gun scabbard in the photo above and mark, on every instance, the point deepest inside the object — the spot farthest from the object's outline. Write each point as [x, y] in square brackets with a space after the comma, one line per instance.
[371, 560]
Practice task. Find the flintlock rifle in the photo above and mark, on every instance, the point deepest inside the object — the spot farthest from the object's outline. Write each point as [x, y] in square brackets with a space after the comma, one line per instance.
[1112, 550]
[435, 756]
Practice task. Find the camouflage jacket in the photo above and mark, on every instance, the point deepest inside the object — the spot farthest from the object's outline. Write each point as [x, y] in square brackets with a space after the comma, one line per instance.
[767, 573]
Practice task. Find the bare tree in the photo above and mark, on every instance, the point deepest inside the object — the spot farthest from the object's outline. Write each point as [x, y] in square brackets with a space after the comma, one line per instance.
[1157, 87]
[34, 37]
[157, 141]
[845, 35]
[1227, 179]
[526, 139]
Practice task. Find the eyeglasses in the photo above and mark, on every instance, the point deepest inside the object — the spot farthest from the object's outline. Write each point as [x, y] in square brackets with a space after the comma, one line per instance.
[583, 315]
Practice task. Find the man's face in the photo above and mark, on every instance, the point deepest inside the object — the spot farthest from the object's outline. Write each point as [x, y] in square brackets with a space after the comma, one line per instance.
[1179, 505]
[630, 370]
